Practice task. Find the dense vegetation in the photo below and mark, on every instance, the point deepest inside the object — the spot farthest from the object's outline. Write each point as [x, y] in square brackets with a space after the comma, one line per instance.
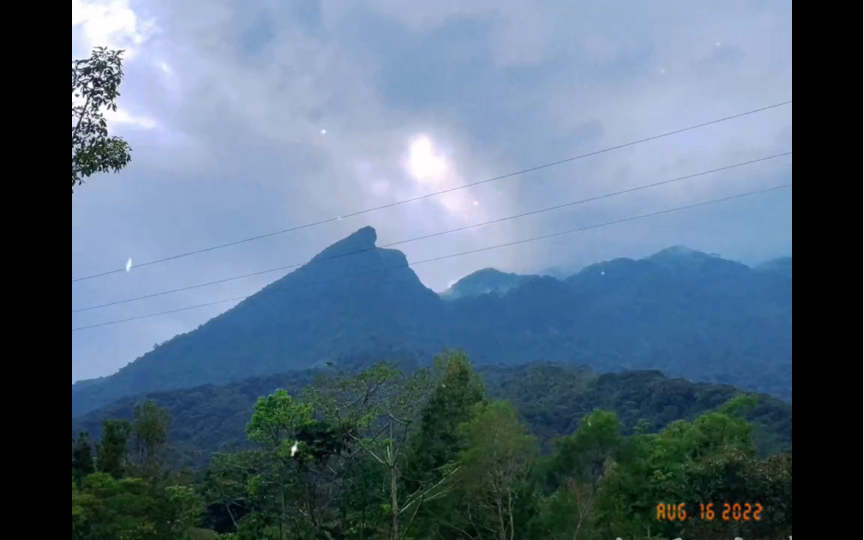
[385, 454]
[552, 399]
[682, 312]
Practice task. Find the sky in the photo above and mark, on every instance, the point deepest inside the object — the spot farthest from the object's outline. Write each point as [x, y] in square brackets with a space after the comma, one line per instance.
[252, 116]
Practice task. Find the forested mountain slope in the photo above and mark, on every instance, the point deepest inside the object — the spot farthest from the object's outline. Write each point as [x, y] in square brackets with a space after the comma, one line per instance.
[685, 313]
[551, 398]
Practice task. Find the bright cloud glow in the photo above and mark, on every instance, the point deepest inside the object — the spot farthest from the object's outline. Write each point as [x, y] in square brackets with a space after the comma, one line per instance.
[425, 163]
[110, 23]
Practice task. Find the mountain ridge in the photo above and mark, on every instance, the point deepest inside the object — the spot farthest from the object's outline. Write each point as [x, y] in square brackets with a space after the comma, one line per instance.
[687, 313]
[485, 281]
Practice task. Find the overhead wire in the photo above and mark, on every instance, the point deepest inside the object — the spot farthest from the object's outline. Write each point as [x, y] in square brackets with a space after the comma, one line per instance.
[436, 234]
[434, 194]
[444, 257]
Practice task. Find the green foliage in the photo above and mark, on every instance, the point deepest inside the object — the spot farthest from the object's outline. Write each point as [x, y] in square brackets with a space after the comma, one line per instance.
[740, 406]
[150, 435]
[113, 455]
[82, 457]
[132, 509]
[711, 459]
[552, 399]
[458, 389]
[111, 505]
[380, 405]
[277, 420]
[493, 472]
[95, 84]
[385, 455]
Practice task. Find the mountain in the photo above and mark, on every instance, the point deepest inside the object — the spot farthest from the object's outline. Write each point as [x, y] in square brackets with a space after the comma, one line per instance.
[351, 298]
[683, 312]
[782, 266]
[488, 280]
[551, 398]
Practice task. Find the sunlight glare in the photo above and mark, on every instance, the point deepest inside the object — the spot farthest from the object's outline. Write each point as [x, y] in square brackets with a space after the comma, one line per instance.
[424, 162]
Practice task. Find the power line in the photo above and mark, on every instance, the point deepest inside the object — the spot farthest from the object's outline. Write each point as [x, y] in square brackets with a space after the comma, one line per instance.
[434, 194]
[478, 250]
[441, 233]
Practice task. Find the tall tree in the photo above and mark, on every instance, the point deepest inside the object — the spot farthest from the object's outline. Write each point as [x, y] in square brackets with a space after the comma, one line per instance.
[226, 491]
[274, 425]
[574, 473]
[287, 483]
[82, 457]
[150, 435]
[381, 406]
[458, 389]
[583, 456]
[439, 440]
[112, 456]
[494, 472]
[95, 88]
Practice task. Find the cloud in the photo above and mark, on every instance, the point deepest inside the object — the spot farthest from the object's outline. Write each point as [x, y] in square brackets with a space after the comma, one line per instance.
[123, 116]
[224, 104]
[109, 23]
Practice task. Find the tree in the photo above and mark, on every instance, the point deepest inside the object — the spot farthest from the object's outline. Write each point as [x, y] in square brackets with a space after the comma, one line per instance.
[82, 457]
[300, 468]
[226, 490]
[494, 471]
[114, 448]
[95, 83]
[150, 435]
[458, 389]
[439, 441]
[132, 508]
[575, 472]
[381, 406]
[275, 426]
[669, 468]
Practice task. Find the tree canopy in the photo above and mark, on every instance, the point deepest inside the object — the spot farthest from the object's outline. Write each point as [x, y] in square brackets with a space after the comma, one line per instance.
[95, 89]
[428, 455]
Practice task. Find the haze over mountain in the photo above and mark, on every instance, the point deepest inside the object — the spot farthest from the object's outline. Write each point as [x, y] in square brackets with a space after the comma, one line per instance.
[487, 280]
[683, 312]
[783, 266]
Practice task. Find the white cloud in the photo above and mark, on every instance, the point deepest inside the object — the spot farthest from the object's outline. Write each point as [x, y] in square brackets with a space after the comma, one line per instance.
[246, 152]
[425, 162]
[110, 23]
[380, 187]
[124, 117]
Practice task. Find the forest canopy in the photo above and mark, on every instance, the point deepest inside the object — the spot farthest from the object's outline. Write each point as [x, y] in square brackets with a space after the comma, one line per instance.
[429, 454]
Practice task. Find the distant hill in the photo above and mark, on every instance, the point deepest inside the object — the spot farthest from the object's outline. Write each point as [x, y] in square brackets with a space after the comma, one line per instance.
[680, 311]
[551, 398]
[486, 281]
[782, 266]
